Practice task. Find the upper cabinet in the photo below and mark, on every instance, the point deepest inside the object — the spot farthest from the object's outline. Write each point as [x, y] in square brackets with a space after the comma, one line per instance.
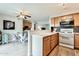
[76, 19]
[52, 22]
[57, 21]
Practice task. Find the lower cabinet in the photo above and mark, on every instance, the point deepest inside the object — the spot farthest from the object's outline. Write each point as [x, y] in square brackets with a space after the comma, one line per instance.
[77, 41]
[55, 51]
[46, 45]
[54, 40]
[49, 43]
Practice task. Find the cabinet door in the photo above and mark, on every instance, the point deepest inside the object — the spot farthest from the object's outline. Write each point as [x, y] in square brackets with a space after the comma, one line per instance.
[57, 21]
[55, 51]
[54, 40]
[46, 46]
[57, 37]
[52, 43]
[76, 40]
[52, 22]
[76, 19]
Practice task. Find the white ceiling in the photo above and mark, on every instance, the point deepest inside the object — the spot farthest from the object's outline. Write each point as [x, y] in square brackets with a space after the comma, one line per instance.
[39, 11]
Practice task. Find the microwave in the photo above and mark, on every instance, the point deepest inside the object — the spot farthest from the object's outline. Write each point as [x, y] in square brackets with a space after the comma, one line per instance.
[67, 24]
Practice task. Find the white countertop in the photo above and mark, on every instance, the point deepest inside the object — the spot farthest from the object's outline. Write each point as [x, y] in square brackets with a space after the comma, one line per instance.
[43, 33]
[76, 33]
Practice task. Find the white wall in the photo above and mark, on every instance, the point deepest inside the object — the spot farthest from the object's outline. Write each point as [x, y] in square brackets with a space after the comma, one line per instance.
[33, 22]
[43, 23]
[18, 23]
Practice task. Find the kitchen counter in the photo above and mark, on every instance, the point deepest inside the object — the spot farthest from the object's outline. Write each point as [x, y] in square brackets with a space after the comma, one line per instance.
[43, 33]
[76, 33]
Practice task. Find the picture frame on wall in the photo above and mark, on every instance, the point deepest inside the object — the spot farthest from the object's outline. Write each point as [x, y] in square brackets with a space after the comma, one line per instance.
[8, 25]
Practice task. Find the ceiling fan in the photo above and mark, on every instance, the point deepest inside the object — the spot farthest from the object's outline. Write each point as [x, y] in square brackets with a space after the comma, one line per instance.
[23, 14]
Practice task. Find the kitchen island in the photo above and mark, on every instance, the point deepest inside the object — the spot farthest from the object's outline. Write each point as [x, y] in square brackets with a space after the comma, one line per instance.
[44, 42]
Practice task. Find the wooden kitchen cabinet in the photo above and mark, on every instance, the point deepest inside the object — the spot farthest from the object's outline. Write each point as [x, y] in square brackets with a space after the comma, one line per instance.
[46, 46]
[50, 42]
[54, 41]
[55, 51]
[76, 19]
[57, 21]
[77, 41]
[52, 22]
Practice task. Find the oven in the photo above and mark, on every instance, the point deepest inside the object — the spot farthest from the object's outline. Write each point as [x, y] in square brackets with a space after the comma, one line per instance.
[66, 38]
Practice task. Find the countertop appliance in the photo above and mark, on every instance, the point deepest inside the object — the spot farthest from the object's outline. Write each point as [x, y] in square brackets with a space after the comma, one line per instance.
[66, 37]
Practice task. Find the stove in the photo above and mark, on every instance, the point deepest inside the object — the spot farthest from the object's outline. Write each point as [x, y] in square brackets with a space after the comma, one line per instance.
[66, 38]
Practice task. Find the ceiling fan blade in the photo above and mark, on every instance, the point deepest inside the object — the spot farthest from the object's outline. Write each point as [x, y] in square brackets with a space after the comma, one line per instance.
[28, 16]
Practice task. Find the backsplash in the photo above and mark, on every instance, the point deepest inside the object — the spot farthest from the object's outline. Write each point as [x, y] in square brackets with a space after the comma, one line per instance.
[76, 29]
[57, 29]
